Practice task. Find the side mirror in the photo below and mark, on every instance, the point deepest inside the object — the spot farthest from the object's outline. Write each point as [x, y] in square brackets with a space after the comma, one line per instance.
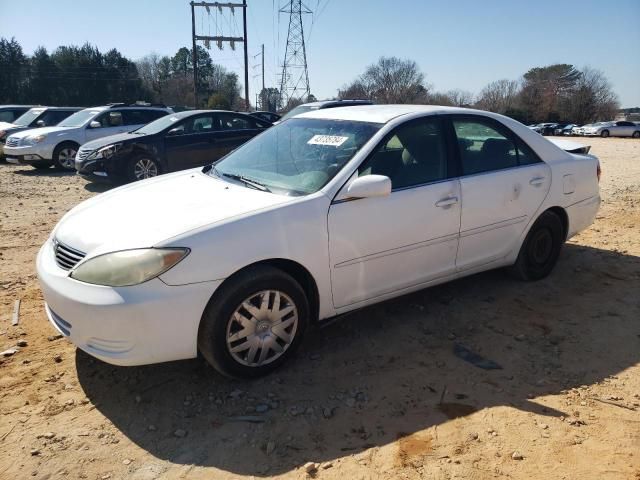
[175, 131]
[40, 123]
[95, 124]
[367, 187]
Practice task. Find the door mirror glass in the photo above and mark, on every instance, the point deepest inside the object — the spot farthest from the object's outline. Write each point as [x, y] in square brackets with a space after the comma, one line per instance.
[367, 187]
[95, 124]
[176, 131]
[40, 123]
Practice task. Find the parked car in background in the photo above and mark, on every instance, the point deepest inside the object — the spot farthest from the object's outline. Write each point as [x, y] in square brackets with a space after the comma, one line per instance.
[322, 214]
[309, 107]
[174, 142]
[266, 116]
[564, 129]
[619, 129]
[58, 145]
[8, 113]
[578, 130]
[35, 118]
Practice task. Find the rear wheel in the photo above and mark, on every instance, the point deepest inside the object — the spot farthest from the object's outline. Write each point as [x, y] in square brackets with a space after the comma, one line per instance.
[604, 134]
[64, 156]
[254, 322]
[636, 134]
[142, 167]
[541, 248]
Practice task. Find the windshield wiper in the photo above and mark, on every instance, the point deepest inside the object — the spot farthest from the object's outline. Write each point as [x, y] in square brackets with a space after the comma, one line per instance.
[247, 181]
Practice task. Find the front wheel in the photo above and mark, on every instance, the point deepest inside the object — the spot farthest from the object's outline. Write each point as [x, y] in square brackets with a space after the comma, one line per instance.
[254, 322]
[636, 135]
[604, 134]
[64, 156]
[142, 167]
[541, 248]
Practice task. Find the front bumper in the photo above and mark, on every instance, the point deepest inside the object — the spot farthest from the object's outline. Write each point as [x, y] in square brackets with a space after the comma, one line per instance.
[98, 170]
[147, 323]
[27, 155]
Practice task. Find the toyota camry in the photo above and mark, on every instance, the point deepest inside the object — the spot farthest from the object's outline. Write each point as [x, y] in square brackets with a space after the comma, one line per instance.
[326, 212]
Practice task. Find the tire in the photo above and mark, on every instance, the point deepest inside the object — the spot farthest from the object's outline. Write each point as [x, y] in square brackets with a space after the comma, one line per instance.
[41, 166]
[604, 134]
[141, 167]
[64, 156]
[220, 322]
[540, 250]
[636, 134]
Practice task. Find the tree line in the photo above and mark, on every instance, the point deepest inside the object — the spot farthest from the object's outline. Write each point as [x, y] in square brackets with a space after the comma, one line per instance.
[553, 93]
[84, 76]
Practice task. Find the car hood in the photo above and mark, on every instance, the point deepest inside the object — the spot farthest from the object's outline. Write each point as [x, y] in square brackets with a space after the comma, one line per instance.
[5, 125]
[146, 213]
[42, 130]
[104, 141]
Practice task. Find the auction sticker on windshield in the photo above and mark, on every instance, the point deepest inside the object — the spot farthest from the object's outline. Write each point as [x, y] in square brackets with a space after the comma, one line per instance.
[328, 140]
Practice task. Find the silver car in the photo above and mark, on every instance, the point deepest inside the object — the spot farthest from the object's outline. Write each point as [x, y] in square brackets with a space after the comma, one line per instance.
[612, 129]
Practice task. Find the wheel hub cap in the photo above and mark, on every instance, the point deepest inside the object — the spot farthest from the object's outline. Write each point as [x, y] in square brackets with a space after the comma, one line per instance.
[262, 328]
[145, 168]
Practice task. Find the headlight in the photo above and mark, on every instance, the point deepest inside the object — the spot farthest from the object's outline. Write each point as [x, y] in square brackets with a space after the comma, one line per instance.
[105, 152]
[128, 267]
[32, 139]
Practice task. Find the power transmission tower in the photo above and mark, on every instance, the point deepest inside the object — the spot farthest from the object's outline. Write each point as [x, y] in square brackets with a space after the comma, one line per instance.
[219, 39]
[294, 83]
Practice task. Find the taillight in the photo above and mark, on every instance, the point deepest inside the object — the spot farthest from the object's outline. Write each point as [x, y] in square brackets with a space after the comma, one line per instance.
[599, 172]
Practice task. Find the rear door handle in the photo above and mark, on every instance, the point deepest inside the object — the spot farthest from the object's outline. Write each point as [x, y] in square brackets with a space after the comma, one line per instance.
[447, 202]
[537, 181]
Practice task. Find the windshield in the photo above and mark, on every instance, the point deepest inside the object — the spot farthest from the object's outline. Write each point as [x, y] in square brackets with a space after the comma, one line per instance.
[298, 110]
[158, 125]
[78, 119]
[297, 157]
[28, 117]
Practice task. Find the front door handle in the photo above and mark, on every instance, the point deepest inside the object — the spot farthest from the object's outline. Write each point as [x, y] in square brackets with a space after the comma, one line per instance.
[537, 181]
[447, 202]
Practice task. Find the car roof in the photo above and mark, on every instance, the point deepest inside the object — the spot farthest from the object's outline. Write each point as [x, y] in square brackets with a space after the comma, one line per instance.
[2, 107]
[380, 113]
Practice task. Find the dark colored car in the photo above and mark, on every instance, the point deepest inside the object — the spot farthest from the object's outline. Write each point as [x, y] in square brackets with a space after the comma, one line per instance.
[176, 142]
[266, 116]
[35, 118]
[308, 107]
[8, 113]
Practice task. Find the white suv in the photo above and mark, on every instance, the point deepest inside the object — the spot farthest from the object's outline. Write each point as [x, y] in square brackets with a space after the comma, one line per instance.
[58, 145]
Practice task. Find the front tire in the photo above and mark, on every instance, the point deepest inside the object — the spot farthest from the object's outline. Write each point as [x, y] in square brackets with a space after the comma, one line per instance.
[604, 134]
[142, 167]
[254, 322]
[636, 134]
[64, 156]
[541, 248]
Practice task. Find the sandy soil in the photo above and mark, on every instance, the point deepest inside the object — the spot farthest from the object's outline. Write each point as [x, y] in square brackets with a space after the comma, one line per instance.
[379, 394]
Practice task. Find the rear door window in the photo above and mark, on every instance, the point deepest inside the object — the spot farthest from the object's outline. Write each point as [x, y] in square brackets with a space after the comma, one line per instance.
[230, 121]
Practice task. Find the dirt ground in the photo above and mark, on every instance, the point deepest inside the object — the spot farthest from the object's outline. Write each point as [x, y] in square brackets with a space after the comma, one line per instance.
[379, 394]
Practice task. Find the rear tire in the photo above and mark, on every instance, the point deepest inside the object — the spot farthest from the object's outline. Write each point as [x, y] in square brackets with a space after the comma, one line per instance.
[604, 134]
[260, 308]
[64, 156]
[540, 250]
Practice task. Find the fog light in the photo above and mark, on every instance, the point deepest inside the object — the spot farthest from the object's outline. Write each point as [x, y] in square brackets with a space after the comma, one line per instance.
[32, 157]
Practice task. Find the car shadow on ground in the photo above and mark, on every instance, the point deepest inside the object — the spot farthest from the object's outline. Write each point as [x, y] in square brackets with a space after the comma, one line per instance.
[45, 172]
[387, 371]
[98, 187]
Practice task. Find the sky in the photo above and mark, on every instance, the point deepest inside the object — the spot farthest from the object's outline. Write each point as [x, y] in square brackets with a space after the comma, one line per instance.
[458, 44]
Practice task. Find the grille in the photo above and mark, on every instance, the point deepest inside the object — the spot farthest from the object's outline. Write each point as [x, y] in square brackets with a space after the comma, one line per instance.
[67, 257]
[13, 142]
[82, 154]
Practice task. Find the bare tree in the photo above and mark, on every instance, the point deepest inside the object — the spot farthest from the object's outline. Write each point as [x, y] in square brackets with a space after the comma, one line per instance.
[593, 98]
[355, 90]
[460, 98]
[499, 96]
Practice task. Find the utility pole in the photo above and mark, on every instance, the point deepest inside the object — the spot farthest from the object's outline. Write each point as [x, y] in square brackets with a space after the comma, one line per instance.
[294, 82]
[261, 96]
[194, 58]
[219, 40]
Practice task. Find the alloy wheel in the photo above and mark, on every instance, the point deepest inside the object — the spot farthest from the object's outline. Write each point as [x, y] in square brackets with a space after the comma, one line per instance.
[145, 168]
[262, 328]
[67, 158]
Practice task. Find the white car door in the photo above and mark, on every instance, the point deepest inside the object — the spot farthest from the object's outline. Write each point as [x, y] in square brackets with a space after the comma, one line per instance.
[503, 185]
[386, 244]
[111, 123]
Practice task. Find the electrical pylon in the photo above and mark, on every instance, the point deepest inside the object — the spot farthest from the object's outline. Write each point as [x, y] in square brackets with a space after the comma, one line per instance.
[294, 83]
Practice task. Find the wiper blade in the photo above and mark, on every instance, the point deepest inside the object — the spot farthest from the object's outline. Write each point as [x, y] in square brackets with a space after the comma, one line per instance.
[247, 181]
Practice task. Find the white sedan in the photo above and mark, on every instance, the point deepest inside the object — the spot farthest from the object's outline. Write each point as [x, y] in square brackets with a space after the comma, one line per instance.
[322, 214]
